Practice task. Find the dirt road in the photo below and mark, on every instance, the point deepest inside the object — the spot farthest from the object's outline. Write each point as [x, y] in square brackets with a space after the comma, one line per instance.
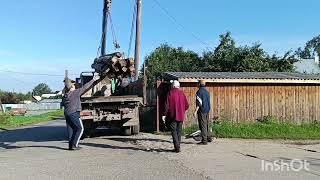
[39, 152]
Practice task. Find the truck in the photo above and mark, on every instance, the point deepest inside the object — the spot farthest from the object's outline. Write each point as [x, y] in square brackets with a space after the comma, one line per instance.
[115, 99]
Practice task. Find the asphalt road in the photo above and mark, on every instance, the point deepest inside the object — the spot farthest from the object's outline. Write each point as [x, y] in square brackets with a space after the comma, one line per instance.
[39, 152]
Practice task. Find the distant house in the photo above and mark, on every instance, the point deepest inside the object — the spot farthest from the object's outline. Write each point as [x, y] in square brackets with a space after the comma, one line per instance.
[37, 98]
[309, 66]
[47, 96]
[51, 101]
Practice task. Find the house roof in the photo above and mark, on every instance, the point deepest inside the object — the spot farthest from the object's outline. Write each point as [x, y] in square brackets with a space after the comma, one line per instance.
[51, 101]
[307, 66]
[243, 77]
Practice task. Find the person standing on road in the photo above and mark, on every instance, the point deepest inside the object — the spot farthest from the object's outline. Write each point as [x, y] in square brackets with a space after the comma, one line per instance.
[202, 112]
[72, 107]
[176, 106]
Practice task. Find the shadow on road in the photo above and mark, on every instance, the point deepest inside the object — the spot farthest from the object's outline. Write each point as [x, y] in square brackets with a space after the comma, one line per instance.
[134, 140]
[124, 148]
[32, 134]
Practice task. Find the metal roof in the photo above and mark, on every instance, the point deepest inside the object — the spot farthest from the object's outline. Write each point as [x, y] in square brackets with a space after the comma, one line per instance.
[269, 77]
[51, 101]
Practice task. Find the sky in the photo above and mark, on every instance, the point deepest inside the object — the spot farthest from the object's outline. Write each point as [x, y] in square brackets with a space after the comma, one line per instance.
[39, 39]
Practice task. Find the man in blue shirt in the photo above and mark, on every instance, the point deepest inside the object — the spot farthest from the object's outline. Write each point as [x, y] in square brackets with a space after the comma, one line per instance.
[202, 112]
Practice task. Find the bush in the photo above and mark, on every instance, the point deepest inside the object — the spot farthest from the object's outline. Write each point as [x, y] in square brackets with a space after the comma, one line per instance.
[4, 117]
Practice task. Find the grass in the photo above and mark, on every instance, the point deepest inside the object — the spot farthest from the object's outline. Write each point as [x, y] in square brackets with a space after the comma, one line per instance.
[9, 121]
[266, 129]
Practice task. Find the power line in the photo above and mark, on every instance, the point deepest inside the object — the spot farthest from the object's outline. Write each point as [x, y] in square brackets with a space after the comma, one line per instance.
[34, 74]
[174, 20]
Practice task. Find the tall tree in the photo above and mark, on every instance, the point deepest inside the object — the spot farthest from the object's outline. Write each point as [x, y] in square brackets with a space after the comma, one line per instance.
[311, 47]
[225, 57]
[167, 58]
[40, 89]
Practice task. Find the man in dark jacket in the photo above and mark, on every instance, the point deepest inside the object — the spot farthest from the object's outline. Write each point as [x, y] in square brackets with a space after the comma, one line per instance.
[202, 111]
[176, 106]
[72, 107]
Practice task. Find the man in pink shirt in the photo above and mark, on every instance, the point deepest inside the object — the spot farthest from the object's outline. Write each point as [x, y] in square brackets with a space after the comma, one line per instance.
[176, 106]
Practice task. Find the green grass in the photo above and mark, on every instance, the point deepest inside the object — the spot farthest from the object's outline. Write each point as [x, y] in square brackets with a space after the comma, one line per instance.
[263, 130]
[9, 121]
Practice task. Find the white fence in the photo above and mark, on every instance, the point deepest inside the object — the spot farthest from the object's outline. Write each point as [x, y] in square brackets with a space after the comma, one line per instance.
[33, 106]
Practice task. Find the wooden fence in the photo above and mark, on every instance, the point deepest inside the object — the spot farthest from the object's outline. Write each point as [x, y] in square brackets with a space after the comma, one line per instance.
[295, 103]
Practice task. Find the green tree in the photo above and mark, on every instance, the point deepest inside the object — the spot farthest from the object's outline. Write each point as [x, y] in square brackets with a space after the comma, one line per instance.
[226, 57]
[40, 89]
[166, 58]
[9, 98]
[310, 48]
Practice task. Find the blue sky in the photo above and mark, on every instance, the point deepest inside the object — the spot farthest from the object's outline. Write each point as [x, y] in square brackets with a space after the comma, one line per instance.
[47, 37]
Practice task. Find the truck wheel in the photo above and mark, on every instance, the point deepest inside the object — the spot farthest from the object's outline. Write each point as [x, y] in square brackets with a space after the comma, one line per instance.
[88, 127]
[135, 129]
[126, 130]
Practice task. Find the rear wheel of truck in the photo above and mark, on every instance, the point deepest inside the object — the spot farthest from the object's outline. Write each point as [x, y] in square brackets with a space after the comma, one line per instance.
[126, 130]
[88, 128]
[135, 129]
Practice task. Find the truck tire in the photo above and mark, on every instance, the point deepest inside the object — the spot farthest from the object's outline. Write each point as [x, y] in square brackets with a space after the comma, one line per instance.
[135, 129]
[126, 130]
[88, 128]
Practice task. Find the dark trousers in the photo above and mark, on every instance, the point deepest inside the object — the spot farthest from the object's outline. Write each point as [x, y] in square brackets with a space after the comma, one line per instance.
[176, 128]
[73, 120]
[203, 121]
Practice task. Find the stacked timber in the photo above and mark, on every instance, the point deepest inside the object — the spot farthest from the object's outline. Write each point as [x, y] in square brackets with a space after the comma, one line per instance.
[114, 66]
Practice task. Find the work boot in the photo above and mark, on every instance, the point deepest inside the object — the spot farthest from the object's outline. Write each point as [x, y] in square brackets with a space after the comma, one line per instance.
[72, 148]
[202, 143]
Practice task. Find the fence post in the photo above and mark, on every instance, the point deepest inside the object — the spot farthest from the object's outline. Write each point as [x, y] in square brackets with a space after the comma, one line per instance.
[158, 107]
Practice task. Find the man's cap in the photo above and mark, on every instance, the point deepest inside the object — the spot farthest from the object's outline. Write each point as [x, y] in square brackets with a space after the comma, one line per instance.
[202, 82]
[175, 83]
[68, 83]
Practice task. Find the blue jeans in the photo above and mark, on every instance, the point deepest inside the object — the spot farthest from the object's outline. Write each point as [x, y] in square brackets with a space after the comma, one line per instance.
[73, 120]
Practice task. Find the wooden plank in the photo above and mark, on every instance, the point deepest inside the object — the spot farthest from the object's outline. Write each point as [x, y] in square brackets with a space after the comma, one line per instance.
[237, 103]
[272, 93]
[279, 104]
[242, 108]
[317, 103]
[306, 107]
[269, 100]
[283, 102]
[245, 103]
[261, 100]
[219, 98]
[303, 101]
[258, 103]
[248, 103]
[215, 101]
[228, 102]
[287, 103]
[311, 113]
[266, 101]
[295, 102]
[252, 103]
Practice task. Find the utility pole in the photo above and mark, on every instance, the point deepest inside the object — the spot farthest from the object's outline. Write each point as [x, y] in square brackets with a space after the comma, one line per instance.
[144, 84]
[2, 110]
[137, 42]
[106, 10]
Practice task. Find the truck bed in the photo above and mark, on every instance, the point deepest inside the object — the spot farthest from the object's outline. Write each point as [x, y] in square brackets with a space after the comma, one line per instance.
[127, 98]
